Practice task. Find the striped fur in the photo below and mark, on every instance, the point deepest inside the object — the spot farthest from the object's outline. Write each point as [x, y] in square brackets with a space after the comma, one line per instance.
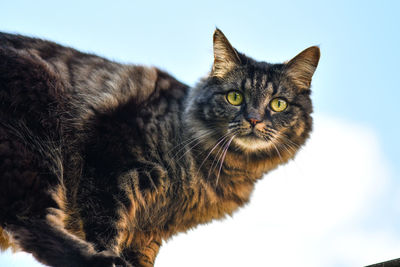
[101, 162]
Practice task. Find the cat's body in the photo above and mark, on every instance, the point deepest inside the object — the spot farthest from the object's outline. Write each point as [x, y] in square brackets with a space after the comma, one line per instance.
[100, 162]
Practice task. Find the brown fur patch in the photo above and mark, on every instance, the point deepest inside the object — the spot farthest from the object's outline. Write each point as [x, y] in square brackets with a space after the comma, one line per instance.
[5, 241]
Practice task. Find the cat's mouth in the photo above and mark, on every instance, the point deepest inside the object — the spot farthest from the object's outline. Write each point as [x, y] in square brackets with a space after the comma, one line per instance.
[252, 134]
[252, 140]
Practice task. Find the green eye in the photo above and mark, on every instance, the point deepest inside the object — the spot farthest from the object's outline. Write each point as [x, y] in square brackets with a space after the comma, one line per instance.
[278, 104]
[234, 97]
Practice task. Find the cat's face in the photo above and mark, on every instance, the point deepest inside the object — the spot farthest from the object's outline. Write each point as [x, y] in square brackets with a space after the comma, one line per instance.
[254, 106]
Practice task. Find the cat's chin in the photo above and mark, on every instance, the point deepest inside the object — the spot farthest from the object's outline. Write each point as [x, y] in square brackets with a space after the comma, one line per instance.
[251, 143]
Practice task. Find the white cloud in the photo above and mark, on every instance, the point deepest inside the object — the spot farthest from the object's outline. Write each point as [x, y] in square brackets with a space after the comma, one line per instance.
[314, 211]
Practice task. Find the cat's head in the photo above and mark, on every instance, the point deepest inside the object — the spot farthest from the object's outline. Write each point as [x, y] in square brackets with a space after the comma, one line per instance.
[253, 107]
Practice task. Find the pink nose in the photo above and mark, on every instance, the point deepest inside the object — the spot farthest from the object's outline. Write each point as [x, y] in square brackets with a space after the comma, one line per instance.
[253, 122]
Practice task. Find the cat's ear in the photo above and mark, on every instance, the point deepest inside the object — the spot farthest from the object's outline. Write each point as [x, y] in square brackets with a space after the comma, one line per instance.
[225, 56]
[302, 67]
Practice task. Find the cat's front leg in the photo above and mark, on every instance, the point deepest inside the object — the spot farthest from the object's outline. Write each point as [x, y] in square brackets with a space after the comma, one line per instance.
[54, 246]
[143, 251]
[107, 258]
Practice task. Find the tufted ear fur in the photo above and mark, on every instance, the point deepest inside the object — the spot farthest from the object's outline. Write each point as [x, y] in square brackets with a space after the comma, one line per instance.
[302, 67]
[225, 56]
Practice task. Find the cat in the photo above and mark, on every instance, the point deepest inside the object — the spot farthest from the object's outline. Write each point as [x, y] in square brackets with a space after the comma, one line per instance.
[101, 162]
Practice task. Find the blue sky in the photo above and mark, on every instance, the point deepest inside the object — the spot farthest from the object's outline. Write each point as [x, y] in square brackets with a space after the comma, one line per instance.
[356, 80]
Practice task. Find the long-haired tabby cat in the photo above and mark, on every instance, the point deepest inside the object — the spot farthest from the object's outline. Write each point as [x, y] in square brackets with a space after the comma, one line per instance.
[101, 162]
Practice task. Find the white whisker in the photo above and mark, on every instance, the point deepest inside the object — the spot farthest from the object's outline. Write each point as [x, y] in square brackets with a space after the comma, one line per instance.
[213, 148]
[218, 155]
[277, 151]
[223, 158]
[188, 142]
